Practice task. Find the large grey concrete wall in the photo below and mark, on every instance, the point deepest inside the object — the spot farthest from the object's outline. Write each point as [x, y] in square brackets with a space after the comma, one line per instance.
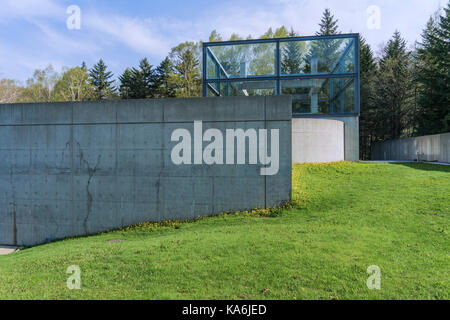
[425, 148]
[317, 140]
[70, 169]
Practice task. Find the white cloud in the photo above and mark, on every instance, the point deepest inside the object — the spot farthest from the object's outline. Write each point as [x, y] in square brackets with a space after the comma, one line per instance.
[29, 9]
[133, 33]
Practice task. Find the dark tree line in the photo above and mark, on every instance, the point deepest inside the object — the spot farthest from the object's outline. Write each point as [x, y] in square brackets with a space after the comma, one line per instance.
[405, 92]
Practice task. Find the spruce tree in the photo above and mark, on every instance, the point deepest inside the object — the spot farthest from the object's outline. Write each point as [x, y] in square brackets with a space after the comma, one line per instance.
[326, 51]
[291, 56]
[328, 24]
[164, 86]
[367, 120]
[100, 81]
[126, 83]
[143, 81]
[433, 76]
[394, 90]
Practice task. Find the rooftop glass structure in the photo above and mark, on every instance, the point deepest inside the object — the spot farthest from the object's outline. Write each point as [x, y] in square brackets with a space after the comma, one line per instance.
[320, 72]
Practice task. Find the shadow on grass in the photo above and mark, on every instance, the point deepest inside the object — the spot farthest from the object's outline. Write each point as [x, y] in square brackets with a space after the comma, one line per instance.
[424, 166]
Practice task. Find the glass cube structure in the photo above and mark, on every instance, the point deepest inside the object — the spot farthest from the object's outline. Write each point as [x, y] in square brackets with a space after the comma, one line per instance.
[320, 72]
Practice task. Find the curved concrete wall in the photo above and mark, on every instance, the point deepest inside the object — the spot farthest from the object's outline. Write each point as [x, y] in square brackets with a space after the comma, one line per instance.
[317, 140]
[351, 137]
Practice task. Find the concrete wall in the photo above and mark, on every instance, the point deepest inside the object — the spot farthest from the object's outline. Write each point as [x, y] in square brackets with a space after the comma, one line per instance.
[70, 169]
[425, 148]
[325, 139]
[317, 140]
[351, 137]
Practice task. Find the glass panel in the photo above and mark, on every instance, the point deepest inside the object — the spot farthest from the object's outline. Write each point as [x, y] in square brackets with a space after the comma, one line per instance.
[241, 61]
[248, 88]
[317, 56]
[349, 59]
[210, 67]
[349, 97]
[212, 90]
[343, 95]
[306, 58]
[308, 95]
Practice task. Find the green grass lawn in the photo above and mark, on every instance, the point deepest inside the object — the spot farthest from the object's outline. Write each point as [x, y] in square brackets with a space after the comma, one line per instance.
[346, 217]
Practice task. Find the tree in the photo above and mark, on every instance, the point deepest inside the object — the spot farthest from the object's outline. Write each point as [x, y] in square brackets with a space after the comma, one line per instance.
[164, 86]
[324, 52]
[142, 81]
[100, 81]
[74, 85]
[394, 90]
[126, 83]
[215, 36]
[40, 87]
[10, 91]
[328, 24]
[433, 76]
[186, 76]
[367, 120]
[292, 55]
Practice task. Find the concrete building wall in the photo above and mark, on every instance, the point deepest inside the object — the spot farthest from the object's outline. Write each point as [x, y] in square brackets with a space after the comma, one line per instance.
[325, 139]
[351, 137]
[317, 140]
[425, 148]
[70, 169]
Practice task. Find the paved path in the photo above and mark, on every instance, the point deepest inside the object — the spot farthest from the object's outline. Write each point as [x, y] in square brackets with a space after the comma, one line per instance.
[7, 250]
[408, 161]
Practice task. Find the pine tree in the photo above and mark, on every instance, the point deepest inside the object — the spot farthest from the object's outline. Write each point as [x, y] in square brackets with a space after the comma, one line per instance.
[367, 120]
[433, 76]
[328, 24]
[325, 51]
[100, 80]
[443, 52]
[291, 56]
[164, 87]
[143, 81]
[394, 90]
[126, 83]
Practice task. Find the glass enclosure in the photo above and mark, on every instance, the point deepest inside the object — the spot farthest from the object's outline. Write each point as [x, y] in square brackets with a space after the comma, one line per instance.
[321, 72]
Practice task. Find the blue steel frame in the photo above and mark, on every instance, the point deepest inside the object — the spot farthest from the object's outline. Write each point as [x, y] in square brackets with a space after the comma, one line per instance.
[278, 77]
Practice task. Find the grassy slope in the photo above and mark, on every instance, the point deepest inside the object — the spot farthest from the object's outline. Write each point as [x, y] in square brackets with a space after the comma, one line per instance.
[348, 216]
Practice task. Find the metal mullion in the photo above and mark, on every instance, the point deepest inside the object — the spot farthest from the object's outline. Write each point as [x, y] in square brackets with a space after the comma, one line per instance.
[204, 83]
[287, 77]
[358, 77]
[256, 41]
[278, 68]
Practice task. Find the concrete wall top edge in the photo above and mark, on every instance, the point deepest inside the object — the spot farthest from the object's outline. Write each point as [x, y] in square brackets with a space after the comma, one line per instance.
[256, 108]
[440, 135]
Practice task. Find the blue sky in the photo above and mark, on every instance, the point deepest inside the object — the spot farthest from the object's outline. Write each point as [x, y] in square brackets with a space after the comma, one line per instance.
[33, 33]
